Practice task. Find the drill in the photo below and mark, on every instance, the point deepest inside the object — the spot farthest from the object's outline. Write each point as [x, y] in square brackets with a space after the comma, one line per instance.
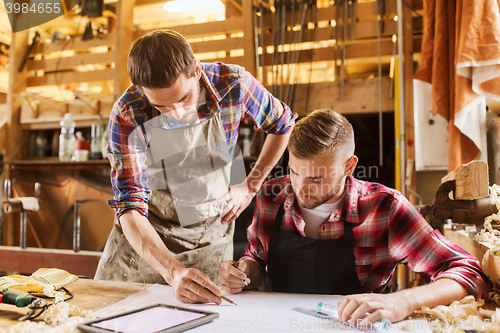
[16, 297]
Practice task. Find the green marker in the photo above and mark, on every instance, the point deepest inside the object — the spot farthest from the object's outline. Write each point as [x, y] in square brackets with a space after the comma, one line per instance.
[333, 311]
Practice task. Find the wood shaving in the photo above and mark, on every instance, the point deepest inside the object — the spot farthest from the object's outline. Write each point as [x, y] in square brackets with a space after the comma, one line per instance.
[40, 327]
[488, 234]
[58, 318]
[466, 314]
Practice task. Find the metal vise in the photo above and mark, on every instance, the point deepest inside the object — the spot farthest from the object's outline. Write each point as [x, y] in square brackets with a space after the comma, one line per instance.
[459, 211]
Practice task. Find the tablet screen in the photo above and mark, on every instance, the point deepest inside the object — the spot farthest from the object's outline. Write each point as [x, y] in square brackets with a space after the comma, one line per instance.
[149, 320]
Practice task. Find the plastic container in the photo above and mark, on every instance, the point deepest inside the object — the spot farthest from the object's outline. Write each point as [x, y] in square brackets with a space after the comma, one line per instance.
[67, 138]
[96, 132]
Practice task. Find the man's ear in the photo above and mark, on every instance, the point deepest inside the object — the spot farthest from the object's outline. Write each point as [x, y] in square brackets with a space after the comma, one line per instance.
[350, 165]
[197, 69]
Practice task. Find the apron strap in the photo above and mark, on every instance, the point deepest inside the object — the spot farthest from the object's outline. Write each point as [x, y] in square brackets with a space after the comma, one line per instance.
[278, 219]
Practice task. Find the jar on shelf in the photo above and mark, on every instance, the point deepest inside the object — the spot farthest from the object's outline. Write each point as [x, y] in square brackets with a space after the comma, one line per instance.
[67, 138]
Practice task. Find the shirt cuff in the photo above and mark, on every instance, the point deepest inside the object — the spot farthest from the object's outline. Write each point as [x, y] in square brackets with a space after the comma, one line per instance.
[121, 207]
[476, 285]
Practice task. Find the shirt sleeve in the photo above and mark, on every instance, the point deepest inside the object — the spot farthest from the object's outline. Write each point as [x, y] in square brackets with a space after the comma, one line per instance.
[126, 154]
[255, 250]
[264, 110]
[413, 242]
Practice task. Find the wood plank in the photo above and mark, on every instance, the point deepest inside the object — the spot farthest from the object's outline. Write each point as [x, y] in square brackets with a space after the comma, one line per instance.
[325, 95]
[74, 43]
[408, 28]
[14, 259]
[71, 77]
[67, 62]
[53, 123]
[217, 45]
[471, 180]
[124, 36]
[228, 26]
[465, 242]
[16, 143]
[363, 10]
[249, 57]
[89, 295]
[354, 51]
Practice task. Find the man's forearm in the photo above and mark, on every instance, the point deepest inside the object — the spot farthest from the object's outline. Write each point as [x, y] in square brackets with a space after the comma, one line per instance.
[148, 244]
[440, 292]
[273, 148]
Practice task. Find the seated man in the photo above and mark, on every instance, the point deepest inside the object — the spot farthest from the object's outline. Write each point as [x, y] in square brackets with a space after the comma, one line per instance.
[322, 231]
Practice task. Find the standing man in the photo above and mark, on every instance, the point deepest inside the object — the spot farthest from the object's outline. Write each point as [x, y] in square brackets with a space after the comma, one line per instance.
[321, 231]
[172, 141]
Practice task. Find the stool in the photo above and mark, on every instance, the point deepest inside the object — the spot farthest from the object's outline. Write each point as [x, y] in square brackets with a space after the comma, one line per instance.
[22, 205]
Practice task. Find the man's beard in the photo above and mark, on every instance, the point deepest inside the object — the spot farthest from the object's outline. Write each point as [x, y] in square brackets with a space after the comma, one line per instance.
[314, 203]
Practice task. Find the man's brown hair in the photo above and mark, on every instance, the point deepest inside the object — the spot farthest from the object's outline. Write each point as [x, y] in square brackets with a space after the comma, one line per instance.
[157, 59]
[322, 132]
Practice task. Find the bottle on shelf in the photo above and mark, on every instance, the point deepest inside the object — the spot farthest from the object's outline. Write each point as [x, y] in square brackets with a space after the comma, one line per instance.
[67, 138]
[97, 131]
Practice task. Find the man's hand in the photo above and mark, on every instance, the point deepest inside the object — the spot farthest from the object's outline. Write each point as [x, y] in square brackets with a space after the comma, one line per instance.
[392, 307]
[238, 198]
[234, 279]
[192, 286]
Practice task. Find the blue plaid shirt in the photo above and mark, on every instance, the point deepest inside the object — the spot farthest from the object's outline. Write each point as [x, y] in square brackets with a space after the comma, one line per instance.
[230, 90]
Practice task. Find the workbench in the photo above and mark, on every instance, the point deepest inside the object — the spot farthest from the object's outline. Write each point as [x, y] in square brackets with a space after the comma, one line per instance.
[466, 242]
[89, 295]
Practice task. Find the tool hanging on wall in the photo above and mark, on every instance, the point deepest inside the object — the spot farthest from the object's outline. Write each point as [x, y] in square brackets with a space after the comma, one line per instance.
[293, 47]
[296, 56]
[312, 38]
[352, 14]
[255, 20]
[275, 35]
[289, 53]
[263, 46]
[336, 55]
[379, 52]
[344, 47]
[282, 43]
[35, 40]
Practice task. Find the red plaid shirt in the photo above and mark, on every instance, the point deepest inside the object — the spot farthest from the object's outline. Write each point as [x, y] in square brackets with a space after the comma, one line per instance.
[389, 231]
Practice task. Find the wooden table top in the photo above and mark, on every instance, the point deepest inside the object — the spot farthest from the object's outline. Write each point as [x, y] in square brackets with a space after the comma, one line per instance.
[89, 295]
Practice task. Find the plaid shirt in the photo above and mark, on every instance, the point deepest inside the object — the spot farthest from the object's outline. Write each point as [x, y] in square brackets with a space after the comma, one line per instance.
[236, 94]
[389, 231]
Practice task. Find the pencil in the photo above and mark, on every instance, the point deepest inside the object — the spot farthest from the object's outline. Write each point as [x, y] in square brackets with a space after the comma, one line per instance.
[232, 264]
[227, 299]
[223, 297]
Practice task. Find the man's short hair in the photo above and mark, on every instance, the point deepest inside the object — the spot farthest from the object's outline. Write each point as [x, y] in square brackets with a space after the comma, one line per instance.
[322, 132]
[157, 59]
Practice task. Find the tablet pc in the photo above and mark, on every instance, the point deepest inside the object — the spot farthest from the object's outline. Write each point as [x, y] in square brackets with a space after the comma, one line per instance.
[154, 318]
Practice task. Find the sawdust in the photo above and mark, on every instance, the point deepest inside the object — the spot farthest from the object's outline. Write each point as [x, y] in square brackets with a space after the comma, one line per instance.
[488, 234]
[459, 316]
[58, 318]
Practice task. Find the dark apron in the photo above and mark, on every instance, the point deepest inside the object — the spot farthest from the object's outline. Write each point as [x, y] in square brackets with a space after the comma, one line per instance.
[197, 164]
[298, 264]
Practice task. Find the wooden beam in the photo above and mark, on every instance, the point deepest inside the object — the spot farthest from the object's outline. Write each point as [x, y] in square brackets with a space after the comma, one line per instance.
[362, 30]
[27, 261]
[249, 57]
[217, 45]
[53, 123]
[408, 26]
[325, 95]
[124, 36]
[68, 62]
[73, 44]
[71, 77]
[228, 26]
